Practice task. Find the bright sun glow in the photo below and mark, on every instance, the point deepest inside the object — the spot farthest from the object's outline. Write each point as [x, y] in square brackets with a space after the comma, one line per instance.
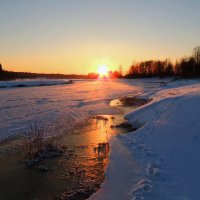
[102, 70]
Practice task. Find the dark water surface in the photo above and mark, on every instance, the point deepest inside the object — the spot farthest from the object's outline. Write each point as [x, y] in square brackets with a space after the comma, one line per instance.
[77, 174]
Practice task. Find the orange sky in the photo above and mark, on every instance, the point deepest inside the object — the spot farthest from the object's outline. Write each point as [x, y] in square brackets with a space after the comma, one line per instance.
[78, 36]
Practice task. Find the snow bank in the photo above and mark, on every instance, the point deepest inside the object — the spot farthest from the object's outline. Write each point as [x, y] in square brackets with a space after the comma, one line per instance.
[33, 82]
[160, 161]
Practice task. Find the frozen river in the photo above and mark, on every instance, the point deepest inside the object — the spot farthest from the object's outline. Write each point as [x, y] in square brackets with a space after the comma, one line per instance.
[61, 105]
[61, 109]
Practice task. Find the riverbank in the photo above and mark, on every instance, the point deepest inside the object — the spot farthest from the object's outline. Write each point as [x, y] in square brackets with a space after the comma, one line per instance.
[161, 159]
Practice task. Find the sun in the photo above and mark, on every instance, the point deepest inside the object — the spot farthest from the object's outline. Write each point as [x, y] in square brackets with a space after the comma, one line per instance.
[102, 70]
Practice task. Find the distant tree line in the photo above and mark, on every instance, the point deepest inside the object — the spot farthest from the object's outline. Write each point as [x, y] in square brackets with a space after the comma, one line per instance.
[10, 75]
[183, 68]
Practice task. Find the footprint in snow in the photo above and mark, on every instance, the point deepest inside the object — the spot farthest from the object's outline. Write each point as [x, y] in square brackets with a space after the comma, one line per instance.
[143, 187]
[153, 169]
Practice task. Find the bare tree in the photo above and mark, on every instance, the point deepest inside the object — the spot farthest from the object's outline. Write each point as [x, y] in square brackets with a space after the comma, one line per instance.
[1, 68]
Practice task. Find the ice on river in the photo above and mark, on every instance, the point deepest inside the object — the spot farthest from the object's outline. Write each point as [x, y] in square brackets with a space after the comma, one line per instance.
[60, 105]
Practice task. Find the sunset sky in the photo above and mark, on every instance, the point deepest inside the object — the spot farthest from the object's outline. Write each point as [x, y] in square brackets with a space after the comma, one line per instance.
[75, 36]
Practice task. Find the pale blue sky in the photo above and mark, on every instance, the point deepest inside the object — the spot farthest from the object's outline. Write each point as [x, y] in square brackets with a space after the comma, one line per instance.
[74, 36]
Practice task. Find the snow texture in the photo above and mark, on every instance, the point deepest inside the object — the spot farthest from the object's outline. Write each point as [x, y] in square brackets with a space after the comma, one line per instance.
[60, 106]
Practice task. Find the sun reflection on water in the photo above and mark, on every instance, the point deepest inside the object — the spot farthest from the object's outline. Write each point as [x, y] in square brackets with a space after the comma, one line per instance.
[78, 173]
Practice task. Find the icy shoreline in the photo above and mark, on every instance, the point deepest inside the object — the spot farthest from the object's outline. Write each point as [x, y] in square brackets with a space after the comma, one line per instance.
[161, 159]
[33, 83]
